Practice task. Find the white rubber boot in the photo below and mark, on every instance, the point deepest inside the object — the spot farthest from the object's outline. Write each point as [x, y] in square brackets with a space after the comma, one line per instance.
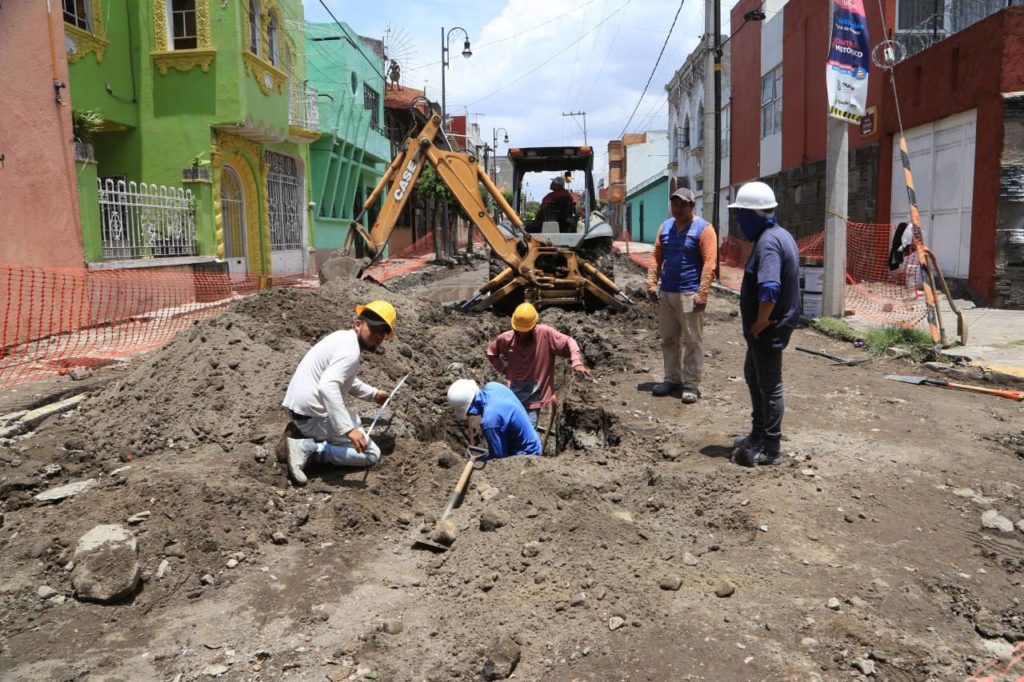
[298, 456]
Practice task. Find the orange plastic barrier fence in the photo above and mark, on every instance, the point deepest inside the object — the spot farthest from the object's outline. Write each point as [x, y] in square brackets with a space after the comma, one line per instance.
[55, 320]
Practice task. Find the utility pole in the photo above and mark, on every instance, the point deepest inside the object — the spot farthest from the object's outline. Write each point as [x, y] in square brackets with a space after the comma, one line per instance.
[574, 114]
[716, 65]
[837, 195]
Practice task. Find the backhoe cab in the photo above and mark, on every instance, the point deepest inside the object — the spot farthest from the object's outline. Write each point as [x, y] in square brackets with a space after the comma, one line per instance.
[536, 268]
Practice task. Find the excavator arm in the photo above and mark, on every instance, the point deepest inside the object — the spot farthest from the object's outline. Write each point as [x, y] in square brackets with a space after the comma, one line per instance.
[537, 271]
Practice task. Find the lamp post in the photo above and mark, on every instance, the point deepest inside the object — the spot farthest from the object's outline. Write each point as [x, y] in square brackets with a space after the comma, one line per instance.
[494, 147]
[467, 53]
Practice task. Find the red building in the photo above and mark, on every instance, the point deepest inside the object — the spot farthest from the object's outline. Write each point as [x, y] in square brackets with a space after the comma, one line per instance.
[962, 110]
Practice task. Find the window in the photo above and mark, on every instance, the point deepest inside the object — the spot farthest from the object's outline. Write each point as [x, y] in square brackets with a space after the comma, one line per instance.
[272, 39]
[686, 132]
[771, 102]
[923, 16]
[284, 201]
[254, 27]
[725, 131]
[371, 102]
[183, 25]
[700, 126]
[76, 13]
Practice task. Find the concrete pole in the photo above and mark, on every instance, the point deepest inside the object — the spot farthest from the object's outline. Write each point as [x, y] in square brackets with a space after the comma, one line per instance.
[837, 190]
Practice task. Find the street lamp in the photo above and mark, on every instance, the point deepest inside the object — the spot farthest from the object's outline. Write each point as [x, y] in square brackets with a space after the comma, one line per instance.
[466, 52]
[494, 148]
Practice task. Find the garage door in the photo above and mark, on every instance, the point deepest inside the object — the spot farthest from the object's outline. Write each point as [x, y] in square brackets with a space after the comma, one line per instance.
[942, 160]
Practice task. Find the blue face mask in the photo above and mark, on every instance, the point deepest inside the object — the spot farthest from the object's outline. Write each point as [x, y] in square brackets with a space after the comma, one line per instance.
[752, 224]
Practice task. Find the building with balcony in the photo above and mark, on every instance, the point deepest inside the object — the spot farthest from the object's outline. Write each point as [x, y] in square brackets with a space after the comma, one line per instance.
[646, 183]
[352, 150]
[192, 123]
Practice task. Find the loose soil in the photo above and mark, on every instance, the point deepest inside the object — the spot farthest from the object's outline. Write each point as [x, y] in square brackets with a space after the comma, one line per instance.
[862, 551]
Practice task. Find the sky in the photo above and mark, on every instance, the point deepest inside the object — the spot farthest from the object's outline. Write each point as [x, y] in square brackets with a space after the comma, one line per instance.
[534, 60]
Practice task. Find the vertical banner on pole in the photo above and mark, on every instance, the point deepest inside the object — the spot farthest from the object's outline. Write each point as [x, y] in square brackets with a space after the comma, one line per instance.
[846, 73]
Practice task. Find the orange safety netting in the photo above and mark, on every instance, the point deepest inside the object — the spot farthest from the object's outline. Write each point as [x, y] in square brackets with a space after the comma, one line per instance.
[55, 320]
[883, 296]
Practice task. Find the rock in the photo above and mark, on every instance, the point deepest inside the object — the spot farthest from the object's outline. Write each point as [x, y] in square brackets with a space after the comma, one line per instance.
[834, 604]
[232, 563]
[865, 665]
[614, 623]
[215, 670]
[138, 518]
[106, 564]
[162, 569]
[502, 659]
[999, 648]
[1019, 524]
[578, 599]
[207, 579]
[393, 626]
[531, 549]
[807, 472]
[445, 533]
[489, 493]
[671, 583]
[45, 592]
[338, 673]
[65, 491]
[456, 368]
[690, 560]
[79, 373]
[405, 518]
[964, 492]
[51, 470]
[808, 643]
[992, 519]
[492, 520]
[725, 590]
[279, 538]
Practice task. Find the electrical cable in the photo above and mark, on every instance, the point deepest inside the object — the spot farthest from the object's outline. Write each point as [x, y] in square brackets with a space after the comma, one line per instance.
[658, 61]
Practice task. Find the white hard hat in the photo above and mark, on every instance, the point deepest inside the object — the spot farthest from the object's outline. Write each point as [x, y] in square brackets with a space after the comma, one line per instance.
[461, 395]
[755, 195]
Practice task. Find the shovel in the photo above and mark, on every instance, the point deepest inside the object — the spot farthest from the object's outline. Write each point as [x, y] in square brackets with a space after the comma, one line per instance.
[554, 414]
[474, 454]
[1002, 393]
[836, 360]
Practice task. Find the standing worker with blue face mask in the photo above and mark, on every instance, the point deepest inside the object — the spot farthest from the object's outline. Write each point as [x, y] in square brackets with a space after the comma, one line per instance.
[770, 308]
[685, 254]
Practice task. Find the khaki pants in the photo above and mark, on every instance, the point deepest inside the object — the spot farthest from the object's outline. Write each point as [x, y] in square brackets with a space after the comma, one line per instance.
[681, 325]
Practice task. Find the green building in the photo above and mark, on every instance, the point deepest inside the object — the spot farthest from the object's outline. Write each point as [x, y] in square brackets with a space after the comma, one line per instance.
[202, 157]
[350, 156]
[647, 208]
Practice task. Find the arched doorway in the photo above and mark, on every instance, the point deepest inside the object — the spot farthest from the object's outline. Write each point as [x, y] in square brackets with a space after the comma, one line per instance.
[232, 204]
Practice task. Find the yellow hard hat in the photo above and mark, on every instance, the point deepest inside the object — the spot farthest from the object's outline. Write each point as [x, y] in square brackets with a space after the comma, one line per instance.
[524, 318]
[382, 309]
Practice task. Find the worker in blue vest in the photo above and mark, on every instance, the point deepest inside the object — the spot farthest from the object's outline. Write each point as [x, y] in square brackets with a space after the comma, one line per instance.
[685, 254]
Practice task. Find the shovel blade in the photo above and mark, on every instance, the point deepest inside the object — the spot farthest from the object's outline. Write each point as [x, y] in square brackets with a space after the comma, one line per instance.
[907, 379]
[429, 546]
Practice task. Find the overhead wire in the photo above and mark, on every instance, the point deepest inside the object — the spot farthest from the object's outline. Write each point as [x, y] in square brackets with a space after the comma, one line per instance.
[653, 70]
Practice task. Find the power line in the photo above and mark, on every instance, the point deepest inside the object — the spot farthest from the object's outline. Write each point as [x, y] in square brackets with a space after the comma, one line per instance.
[651, 77]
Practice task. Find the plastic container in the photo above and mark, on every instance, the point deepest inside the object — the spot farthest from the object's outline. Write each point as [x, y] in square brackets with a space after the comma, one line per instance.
[812, 304]
[813, 278]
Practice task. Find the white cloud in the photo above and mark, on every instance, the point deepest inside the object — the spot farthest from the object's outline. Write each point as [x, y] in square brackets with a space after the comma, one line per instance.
[535, 59]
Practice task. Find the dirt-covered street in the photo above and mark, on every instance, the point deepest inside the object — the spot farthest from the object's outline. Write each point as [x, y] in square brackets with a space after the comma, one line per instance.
[640, 552]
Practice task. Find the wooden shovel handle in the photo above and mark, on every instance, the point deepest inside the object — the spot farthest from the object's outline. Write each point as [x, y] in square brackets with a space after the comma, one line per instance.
[460, 487]
[1002, 393]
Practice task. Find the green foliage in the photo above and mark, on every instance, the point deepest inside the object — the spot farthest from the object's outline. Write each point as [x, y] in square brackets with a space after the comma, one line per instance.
[432, 189]
[915, 341]
[836, 328]
[85, 123]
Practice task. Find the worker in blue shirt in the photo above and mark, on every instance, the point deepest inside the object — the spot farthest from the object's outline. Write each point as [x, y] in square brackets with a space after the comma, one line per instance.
[503, 419]
[769, 309]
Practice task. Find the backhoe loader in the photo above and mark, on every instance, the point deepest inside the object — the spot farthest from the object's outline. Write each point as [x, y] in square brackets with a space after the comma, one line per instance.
[537, 270]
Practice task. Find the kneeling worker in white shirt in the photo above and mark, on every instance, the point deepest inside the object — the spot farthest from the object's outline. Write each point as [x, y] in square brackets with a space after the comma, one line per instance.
[316, 395]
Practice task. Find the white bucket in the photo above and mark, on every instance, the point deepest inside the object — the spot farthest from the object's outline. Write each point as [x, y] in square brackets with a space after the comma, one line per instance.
[813, 277]
[812, 304]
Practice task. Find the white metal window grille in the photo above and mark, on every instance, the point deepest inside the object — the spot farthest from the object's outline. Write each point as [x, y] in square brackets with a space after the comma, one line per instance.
[371, 102]
[284, 197]
[272, 39]
[304, 111]
[233, 214]
[183, 25]
[254, 27]
[140, 220]
[771, 102]
[76, 13]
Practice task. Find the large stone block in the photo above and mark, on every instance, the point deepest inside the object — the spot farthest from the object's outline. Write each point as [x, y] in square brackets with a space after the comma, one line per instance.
[106, 565]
